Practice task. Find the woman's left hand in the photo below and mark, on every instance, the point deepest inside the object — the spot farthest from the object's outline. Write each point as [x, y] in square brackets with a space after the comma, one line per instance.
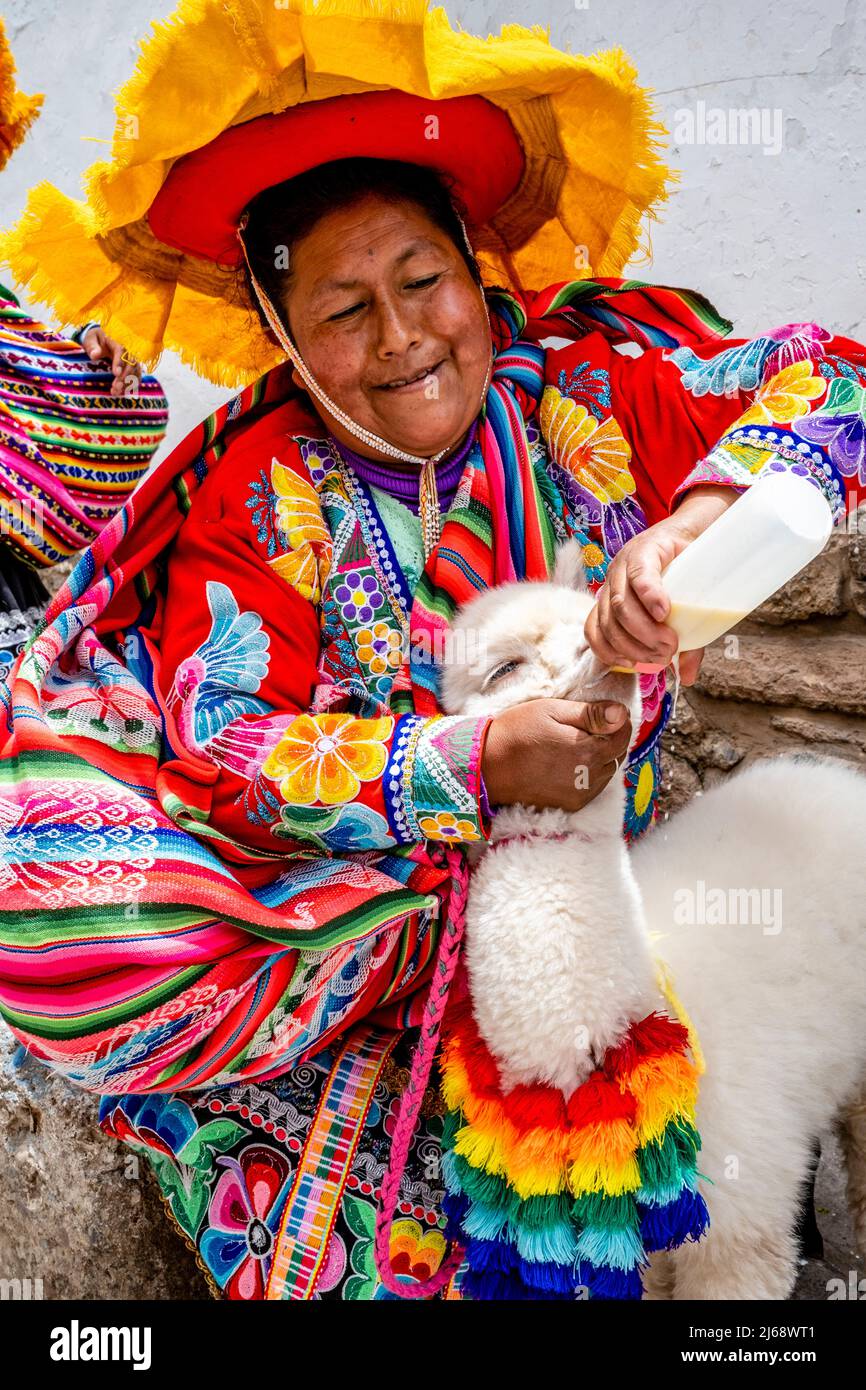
[627, 624]
[100, 348]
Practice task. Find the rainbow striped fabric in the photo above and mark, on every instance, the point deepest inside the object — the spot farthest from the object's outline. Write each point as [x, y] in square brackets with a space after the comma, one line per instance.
[556, 1199]
[70, 453]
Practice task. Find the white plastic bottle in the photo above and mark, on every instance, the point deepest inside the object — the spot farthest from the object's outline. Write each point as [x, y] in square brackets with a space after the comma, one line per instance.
[772, 531]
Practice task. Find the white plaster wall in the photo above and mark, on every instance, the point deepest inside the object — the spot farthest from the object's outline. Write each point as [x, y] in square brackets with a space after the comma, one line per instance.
[770, 238]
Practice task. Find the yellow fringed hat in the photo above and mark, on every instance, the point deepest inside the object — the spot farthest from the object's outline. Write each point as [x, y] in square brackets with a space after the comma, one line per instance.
[556, 157]
[17, 111]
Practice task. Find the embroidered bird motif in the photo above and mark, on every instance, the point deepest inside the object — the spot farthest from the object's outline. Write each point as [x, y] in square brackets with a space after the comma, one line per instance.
[217, 683]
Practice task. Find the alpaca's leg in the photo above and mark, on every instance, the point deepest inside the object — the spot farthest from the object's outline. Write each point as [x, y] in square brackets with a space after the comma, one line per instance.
[760, 1264]
[853, 1135]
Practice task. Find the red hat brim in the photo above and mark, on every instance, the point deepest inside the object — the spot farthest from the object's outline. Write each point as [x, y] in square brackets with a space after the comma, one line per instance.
[199, 206]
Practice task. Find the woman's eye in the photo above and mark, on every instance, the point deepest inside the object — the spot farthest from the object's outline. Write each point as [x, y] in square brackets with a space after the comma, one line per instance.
[503, 669]
[423, 283]
[344, 313]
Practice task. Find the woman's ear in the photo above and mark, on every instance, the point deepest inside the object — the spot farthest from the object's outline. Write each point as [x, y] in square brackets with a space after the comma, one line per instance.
[569, 571]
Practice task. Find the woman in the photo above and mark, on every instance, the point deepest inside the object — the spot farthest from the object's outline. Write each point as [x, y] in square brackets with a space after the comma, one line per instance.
[238, 683]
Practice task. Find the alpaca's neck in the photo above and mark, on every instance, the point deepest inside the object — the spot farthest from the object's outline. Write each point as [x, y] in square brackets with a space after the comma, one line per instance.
[557, 947]
[599, 822]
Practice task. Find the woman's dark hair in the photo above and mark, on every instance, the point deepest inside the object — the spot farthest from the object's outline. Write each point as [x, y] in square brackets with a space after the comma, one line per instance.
[281, 215]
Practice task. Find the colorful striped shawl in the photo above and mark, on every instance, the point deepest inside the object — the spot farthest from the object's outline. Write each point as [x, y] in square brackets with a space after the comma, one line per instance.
[132, 956]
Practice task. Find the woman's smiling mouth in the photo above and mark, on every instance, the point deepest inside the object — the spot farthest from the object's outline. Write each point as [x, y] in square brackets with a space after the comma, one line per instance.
[412, 382]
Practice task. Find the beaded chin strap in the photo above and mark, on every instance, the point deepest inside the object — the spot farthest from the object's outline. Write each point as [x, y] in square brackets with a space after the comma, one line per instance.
[428, 495]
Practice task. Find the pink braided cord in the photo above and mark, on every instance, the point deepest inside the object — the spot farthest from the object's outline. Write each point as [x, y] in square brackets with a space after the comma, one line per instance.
[447, 958]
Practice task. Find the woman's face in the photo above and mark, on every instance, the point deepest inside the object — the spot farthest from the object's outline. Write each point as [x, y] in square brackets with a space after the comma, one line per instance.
[380, 296]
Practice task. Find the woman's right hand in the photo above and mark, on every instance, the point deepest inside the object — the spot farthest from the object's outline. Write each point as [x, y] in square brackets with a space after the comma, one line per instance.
[554, 752]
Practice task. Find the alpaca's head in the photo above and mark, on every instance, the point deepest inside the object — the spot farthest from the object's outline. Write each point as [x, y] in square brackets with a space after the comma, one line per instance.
[525, 641]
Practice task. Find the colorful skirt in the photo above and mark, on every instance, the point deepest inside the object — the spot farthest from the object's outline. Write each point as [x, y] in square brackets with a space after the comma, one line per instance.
[276, 1186]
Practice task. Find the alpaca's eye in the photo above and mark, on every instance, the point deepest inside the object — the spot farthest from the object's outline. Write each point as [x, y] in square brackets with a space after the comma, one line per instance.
[503, 669]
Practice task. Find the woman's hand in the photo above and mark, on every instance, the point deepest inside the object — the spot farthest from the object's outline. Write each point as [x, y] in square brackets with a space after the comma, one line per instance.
[627, 625]
[554, 752]
[127, 372]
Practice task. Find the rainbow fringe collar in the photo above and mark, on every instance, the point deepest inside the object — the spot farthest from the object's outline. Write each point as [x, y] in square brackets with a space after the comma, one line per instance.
[563, 1200]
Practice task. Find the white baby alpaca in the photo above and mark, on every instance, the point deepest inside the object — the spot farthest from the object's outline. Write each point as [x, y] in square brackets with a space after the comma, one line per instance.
[560, 956]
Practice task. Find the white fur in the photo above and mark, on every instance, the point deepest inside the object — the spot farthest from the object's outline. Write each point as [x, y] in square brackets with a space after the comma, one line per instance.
[561, 940]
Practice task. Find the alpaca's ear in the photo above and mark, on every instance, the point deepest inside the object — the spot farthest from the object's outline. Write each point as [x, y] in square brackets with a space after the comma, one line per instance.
[569, 571]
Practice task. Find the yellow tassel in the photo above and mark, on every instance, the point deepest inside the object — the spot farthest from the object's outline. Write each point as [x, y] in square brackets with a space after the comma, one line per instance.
[664, 1088]
[483, 1151]
[610, 1143]
[540, 1150]
[665, 980]
[614, 1179]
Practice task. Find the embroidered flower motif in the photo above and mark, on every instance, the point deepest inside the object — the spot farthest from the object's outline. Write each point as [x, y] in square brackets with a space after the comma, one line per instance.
[359, 596]
[840, 427]
[795, 341]
[596, 453]
[621, 523]
[181, 1149]
[586, 510]
[640, 797]
[595, 562]
[299, 515]
[316, 462]
[380, 648]
[347, 827]
[243, 1220]
[652, 687]
[588, 385]
[333, 1266]
[164, 1123]
[444, 825]
[785, 396]
[326, 758]
[416, 1254]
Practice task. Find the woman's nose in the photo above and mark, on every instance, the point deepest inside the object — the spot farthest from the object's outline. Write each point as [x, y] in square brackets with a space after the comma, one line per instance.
[397, 330]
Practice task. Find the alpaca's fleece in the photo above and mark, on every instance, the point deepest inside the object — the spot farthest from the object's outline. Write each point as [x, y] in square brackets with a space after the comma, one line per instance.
[752, 895]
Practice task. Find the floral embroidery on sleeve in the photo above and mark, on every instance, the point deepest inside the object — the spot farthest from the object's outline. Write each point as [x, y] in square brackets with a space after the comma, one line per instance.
[839, 426]
[326, 758]
[785, 428]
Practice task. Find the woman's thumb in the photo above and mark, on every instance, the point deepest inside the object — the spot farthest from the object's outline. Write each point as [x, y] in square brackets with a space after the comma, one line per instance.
[600, 717]
[607, 718]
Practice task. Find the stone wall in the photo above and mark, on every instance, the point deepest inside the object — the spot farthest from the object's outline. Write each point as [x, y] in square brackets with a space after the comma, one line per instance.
[791, 678]
[80, 1215]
